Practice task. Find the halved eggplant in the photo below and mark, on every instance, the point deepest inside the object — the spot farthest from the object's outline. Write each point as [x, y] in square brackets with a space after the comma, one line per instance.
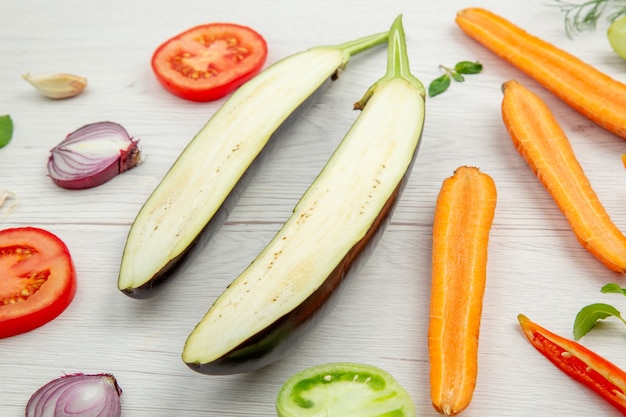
[195, 197]
[265, 311]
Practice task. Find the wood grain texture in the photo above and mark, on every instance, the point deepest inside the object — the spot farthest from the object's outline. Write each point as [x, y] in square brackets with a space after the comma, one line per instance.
[535, 265]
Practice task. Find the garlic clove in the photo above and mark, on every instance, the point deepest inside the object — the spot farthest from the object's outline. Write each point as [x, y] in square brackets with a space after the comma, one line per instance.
[57, 86]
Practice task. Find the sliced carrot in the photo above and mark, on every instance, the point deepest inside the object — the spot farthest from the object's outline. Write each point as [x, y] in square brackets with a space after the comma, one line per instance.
[463, 216]
[594, 94]
[538, 137]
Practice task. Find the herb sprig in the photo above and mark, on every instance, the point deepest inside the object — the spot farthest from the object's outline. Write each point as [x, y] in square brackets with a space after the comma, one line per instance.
[442, 83]
[580, 17]
[589, 315]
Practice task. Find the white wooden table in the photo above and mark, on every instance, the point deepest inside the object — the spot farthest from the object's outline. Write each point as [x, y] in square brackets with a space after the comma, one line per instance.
[536, 266]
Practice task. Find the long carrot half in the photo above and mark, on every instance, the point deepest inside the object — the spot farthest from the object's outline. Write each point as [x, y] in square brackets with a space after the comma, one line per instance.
[463, 217]
[592, 93]
[539, 139]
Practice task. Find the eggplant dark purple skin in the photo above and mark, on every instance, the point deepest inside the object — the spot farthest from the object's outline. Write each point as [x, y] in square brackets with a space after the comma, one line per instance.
[177, 266]
[283, 288]
[171, 233]
[286, 334]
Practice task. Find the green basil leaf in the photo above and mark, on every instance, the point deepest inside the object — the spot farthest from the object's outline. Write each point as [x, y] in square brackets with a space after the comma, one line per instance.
[468, 67]
[6, 130]
[439, 85]
[457, 76]
[588, 316]
[613, 288]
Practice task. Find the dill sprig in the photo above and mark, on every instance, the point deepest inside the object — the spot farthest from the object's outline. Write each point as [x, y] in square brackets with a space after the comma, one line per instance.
[580, 17]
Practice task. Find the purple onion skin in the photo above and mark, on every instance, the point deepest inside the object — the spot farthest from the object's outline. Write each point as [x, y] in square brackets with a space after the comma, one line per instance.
[61, 397]
[128, 158]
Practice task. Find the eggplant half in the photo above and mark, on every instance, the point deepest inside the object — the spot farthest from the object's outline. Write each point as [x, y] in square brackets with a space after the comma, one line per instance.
[265, 312]
[196, 195]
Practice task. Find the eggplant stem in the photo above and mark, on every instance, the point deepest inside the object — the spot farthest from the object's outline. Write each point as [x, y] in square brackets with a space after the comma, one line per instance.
[218, 163]
[397, 64]
[357, 46]
[264, 312]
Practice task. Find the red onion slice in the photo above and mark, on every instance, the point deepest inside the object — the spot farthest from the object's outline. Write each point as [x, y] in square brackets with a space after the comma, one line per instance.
[92, 155]
[77, 395]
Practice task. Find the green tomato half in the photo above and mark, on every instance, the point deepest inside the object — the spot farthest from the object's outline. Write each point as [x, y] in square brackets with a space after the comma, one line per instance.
[343, 389]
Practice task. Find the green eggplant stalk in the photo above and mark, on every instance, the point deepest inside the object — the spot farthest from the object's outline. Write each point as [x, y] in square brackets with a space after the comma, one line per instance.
[194, 198]
[268, 309]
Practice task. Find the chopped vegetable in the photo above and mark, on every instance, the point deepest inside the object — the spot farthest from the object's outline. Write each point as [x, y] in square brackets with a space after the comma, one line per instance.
[579, 363]
[268, 309]
[57, 86]
[93, 155]
[209, 61]
[589, 315]
[343, 390]
[6, 130]
[463, 216]
[441, 84]
[594, 94]
[539, 139]
[37, 279]
[193, 199]
[77, 395]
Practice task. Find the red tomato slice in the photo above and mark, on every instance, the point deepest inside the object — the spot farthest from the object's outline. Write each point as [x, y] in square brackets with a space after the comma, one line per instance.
[209, 61]
[37, 279]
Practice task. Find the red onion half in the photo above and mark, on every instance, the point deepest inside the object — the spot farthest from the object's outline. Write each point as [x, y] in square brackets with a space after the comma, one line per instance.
[77, 395]
[92, 155]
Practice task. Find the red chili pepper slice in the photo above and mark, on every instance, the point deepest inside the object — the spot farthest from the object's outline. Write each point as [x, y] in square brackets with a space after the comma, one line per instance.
[583, 365]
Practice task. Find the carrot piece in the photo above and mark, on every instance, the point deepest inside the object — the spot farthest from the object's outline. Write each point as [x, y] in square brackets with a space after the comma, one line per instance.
[463, 216]
[539, 139]
[592, 93]
[583, 365]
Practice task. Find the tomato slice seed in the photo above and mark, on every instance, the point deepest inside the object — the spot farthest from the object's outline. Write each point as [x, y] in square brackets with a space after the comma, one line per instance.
[208, 61]
[37, 279]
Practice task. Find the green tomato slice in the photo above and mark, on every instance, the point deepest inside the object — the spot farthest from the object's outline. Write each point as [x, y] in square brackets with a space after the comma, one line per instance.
[343, 389]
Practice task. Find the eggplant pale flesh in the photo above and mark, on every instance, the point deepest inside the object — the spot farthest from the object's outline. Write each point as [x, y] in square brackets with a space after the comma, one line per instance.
[265, 312]
[196, 195]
